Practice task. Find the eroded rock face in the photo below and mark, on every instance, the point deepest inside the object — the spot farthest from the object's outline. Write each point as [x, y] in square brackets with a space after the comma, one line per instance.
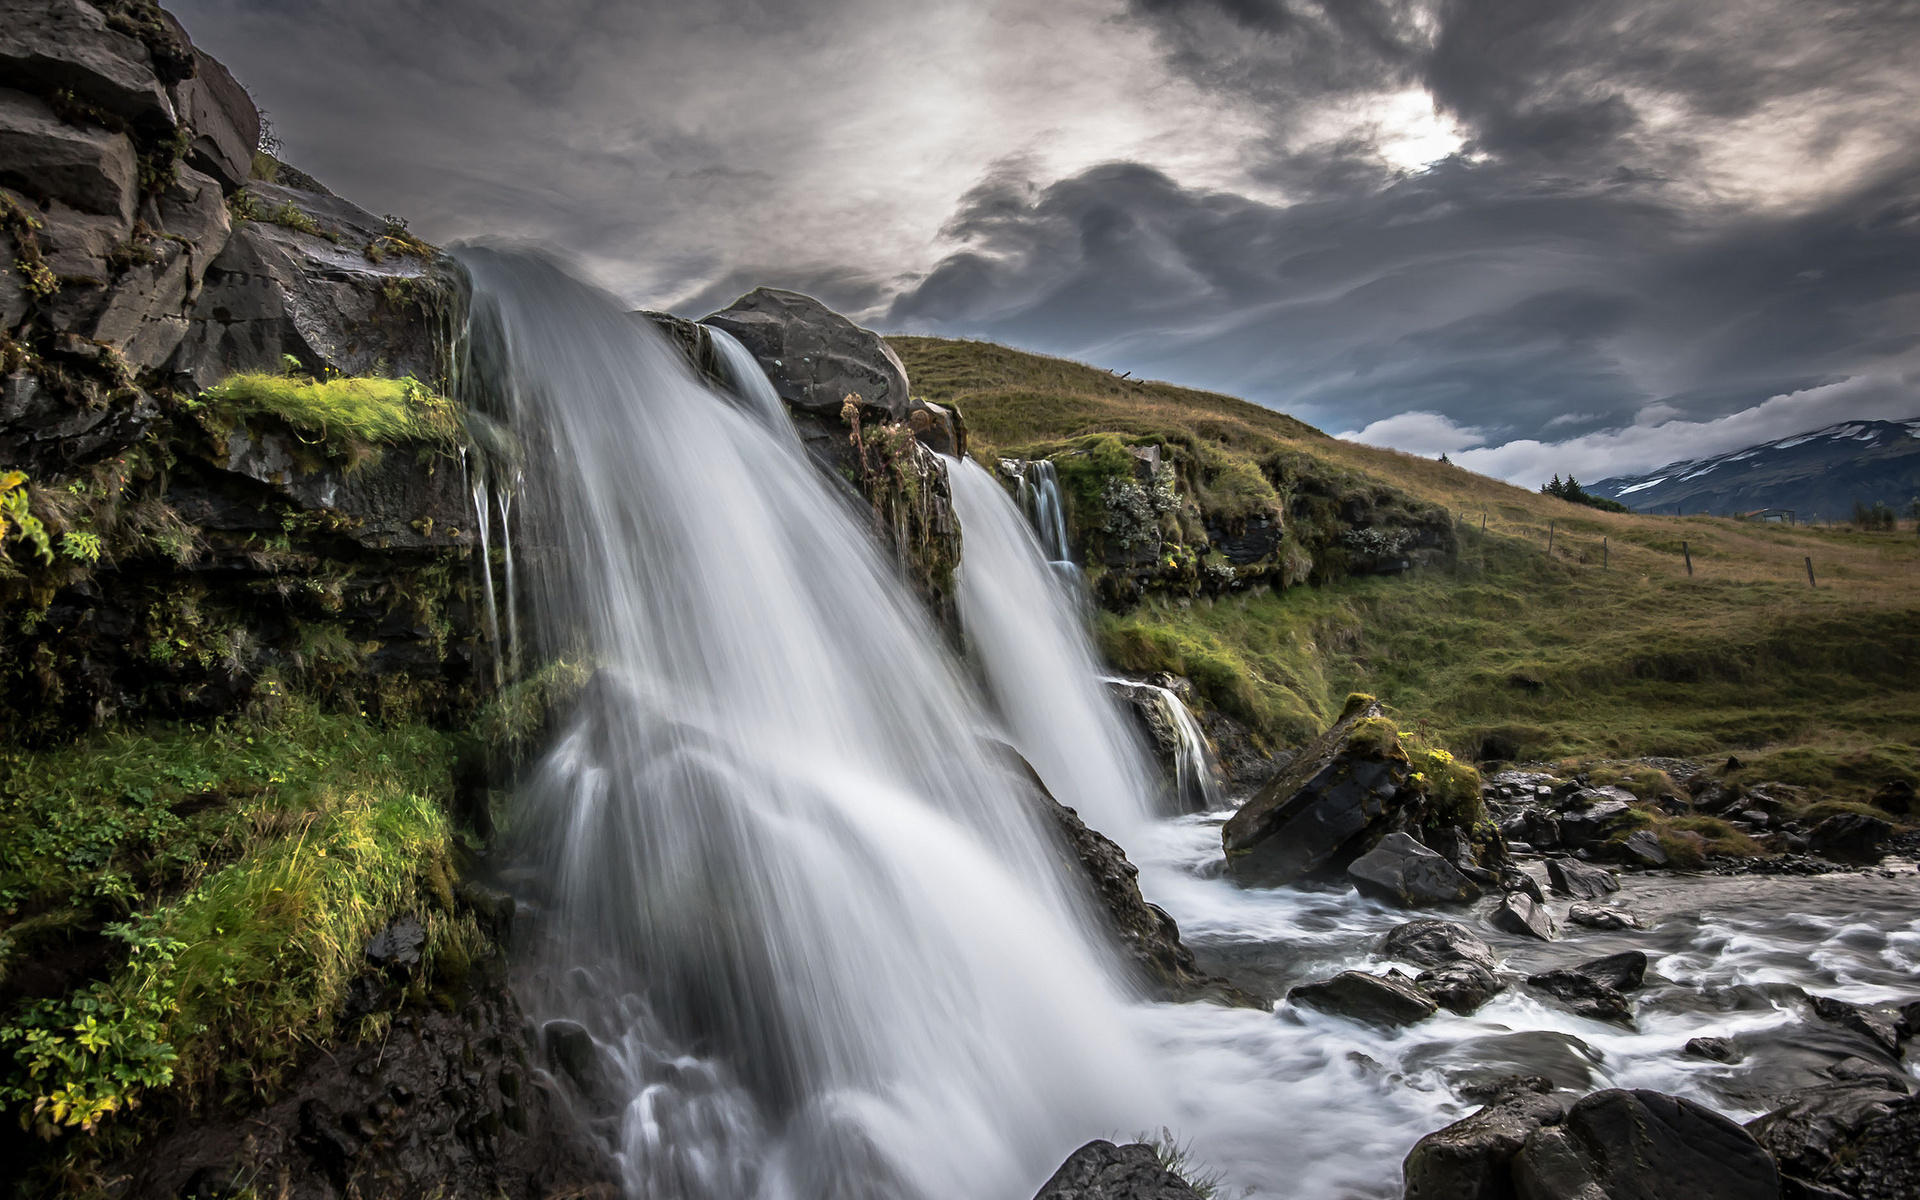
[814, 356]
[1101, 1170]
[1324, 809]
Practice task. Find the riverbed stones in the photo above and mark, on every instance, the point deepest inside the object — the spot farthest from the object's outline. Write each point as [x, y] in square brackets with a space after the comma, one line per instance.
[1643, 846]
[1590, 825]
[1596, 988]
[1517, 913]
[1101, 1170]
[1472, 1159]
[1571, 877]
[1460, 987]
[1434, 943]
[1641, 1145]
[1713, 1049]
[1374, 999]
[1603, 917]
[1806, 1133]
[1877, 1028]
[1333, 798]
[1401, 871]
[1513, 879]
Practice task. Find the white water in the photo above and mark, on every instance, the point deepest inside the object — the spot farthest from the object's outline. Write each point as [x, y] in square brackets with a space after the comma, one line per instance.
[750, 385]
[1196, 772]
[1040, 499]
[809, 918]
[1025, 633]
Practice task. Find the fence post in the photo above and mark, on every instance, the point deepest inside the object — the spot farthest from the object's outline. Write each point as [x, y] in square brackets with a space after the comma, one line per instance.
[1688, 555]
[1549, 537]
[1603, 554]
[1483, 520]
[1810, 582]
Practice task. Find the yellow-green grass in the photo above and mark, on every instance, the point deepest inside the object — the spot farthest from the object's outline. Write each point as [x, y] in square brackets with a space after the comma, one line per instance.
[1583, 652]
[345, 412]
[243, 865]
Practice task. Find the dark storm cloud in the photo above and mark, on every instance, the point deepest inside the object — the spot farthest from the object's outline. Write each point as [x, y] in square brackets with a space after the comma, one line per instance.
[1656, 209]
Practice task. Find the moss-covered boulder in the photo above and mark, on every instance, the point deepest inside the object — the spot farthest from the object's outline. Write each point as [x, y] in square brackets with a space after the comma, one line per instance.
[1345, 791]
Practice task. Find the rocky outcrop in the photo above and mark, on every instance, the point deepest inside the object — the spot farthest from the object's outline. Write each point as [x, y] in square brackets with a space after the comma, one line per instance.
[1101, 1170]
[1860, 1142]
[1459, 966]
[1472, 1159]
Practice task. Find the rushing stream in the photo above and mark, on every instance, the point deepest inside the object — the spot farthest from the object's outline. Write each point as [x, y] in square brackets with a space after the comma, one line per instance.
[814, 930]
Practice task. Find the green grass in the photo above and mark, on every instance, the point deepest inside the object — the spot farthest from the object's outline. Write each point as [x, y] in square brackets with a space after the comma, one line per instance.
[244, 864]
[348, 414]
[1604, 647]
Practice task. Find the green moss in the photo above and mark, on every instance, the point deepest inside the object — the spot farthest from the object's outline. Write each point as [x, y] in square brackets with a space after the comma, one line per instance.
[346, 412]
[245, 862]
[1376, 737]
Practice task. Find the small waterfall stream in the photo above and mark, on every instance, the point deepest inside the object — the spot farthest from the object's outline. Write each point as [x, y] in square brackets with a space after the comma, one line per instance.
[807, 915]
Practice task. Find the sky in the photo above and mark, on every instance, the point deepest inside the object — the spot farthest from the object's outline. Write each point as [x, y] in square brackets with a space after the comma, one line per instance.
[1543, 237]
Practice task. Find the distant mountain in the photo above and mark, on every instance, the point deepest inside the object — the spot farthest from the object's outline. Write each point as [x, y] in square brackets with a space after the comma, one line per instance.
[1817, 474]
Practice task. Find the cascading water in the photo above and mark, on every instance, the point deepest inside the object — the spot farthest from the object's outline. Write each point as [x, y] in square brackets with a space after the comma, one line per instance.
[1196, 771]
[749, 384]
[808, 916]
[1040, 499]
[1026, 634]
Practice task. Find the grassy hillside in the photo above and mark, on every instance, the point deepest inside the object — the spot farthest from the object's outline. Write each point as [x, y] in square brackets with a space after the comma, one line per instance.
[1602, 646]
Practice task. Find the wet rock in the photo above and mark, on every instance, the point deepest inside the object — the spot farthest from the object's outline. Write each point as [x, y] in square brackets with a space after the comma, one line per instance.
[1101, 1170]
[225, 124]
[1619, 1144]
[1433, 943]
[1882, 1160]
[1643, 846]
[1856, 1070]
[1876, 1027]
[1849, 836]
[1590, 825]
[1460, 987]
[1600, 916]
[1584, 995]
[815, 357]
[1806, 1132]
[1623, 972]
[1320, 811]
[1374, 999]
[1897, 796]
[64, 45]
[1402, 871]
[1147, 935]
[1570, 877]
[398, 946]
[1472, 1159]
[1519, 914]
[1513, 879]
[1541, 830]
[1714, 1049]
[569, 1048]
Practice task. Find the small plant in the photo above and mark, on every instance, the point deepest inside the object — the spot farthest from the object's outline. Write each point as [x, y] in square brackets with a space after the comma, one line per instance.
[81, 545]
[16, 516]
[1176, 1158]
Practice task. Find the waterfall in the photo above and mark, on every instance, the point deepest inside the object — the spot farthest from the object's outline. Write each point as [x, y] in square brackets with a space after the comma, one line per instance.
[810, 919]
[1196, 771]
[482, 527]
[1026, 634]
[749, 384]
[1040, 499]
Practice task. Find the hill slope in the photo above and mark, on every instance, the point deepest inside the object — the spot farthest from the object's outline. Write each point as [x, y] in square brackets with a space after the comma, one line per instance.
[1823, 473]
[1632, 635]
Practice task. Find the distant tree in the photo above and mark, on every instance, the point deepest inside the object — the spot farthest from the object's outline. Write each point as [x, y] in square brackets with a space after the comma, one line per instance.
[1877, 518]
[1573, 493]
[1449, 462]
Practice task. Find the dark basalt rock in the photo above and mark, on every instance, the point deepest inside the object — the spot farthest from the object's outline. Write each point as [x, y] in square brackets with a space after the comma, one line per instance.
[1623, 972]
[1571, 877]
[1640, 1145]
[1374, 999]
[1401, 871]
[1148, 936]
[1643, 847]
[1714, 1049]
[1875, 1027]
[1433, 943]
[1472, 1159]
[1811, 1129]
[1460, 987]
[1594, 989]
[1849, 836]
[814, 356]
[1322, 810]
[1518, 914]
[446, 1104]
[1101, 1170]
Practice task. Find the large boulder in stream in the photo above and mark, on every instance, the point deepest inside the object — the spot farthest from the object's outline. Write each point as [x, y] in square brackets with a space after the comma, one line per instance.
[1101, 1170]
[1611, 1145]
[1374, 999]
[1431, 943]
[1332, 802]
